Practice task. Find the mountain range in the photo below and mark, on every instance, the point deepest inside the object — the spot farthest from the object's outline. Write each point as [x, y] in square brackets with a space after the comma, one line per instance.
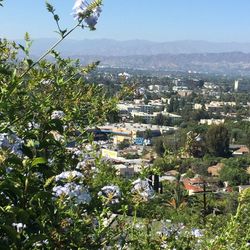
[201, 56]
[108, 47]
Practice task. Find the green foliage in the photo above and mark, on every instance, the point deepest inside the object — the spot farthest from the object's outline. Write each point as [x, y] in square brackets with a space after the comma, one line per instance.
[217, 141]
[159, 146]
[31, 217]
[47, 106]
[234, 171]
[162, 120]
[236, 234]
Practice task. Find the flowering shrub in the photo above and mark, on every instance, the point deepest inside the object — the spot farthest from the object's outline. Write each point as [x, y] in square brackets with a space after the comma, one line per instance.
[51, 195]
[143, 189]
[45, 106]
[111, 194]
[81, 12]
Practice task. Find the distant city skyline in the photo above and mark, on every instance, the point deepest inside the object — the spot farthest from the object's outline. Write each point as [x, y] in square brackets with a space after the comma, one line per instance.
[160, 20]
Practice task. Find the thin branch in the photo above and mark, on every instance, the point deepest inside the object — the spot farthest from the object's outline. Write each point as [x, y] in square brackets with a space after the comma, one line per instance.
[50, 49]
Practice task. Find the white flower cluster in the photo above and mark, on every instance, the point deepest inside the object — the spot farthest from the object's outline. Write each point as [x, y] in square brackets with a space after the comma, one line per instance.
[143, 188]
[112, 193]
[76, 153]
[178, 231]
[19, 226]
[71, 190]
[197, 233]
[4, 142]
[12, 143]
[68, 175]
[80, 9]
[33, 125]
[57, 114]
[81, 165]
[172, 229]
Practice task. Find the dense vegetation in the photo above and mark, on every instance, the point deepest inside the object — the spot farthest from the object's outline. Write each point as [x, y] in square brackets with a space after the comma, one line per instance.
[55, 196]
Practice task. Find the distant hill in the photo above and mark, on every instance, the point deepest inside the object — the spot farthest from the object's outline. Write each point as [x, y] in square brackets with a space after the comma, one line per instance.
[108, 47]
[230, 63]
[201, 56]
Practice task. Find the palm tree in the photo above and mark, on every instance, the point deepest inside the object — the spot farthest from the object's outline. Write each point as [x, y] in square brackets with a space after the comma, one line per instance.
[179, 196]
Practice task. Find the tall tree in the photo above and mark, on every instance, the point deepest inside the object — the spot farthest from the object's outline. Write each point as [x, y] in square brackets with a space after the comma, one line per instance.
[217, 140]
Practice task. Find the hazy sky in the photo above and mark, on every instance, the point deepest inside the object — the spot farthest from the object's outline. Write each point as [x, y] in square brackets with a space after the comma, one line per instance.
[156, 20]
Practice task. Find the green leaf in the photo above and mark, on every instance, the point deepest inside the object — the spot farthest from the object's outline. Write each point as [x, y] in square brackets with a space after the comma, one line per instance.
[49, 181]
[27, 37]
[38, 160]
[63, 32]
[10, 231]
[29, 62]
[21, 47]
[56, 17]
[49, 7]
[14, 160]
[4, 70]
[55, 124]
[11, 188]
[27, 151]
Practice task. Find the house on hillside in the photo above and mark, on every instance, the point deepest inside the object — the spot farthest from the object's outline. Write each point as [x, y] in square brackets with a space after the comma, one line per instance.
[243, 150]
[199, 185]
[194, 185]
[212, 121]
[215, 169]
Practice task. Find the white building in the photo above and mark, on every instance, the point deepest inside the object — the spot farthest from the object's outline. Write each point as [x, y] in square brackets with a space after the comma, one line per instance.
[212, 121]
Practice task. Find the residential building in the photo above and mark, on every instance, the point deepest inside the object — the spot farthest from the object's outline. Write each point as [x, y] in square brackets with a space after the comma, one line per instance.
[212, 121]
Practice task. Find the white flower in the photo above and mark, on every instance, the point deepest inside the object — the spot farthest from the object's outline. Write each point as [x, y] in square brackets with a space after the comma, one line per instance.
[4, 142]
[12, 143]
[93, 18]
[139, 226]
[57, 114]
[89, 147]
[107, 221]
[143, 188]
[196, 232]
[76, 153]
[112, 193]
[68, 175]
[17, 149]
[168, 231]
[80, 9]
[19, 226]
[40, 243]
[33, 125]
[8, 170]
[78, 193]
[81, 165]
[172, 229]
[38, 175]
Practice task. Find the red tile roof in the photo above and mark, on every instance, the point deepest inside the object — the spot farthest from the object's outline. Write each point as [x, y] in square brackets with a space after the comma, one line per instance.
[194, 184]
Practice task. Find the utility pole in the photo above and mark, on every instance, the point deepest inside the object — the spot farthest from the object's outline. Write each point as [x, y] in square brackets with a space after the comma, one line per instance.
[204, 203]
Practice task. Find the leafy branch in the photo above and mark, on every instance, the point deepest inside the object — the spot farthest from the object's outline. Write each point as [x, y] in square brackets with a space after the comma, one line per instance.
[64, 33]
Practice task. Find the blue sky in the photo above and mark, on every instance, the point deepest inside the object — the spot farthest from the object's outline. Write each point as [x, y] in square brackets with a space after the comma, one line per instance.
[156, 20]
